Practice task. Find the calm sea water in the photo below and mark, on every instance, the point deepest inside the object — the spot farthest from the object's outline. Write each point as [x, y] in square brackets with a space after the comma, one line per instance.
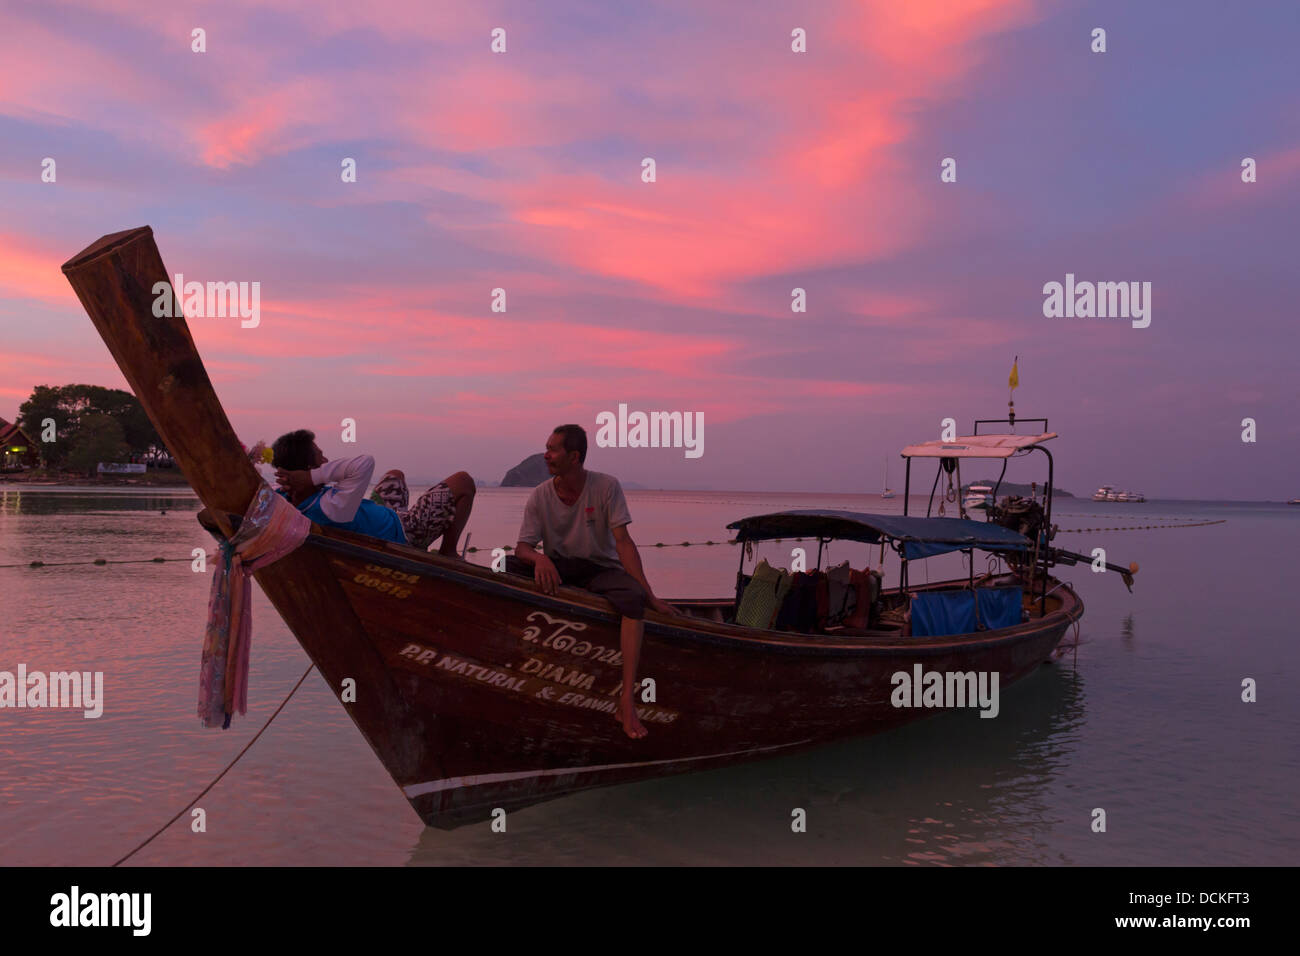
[1145, 720]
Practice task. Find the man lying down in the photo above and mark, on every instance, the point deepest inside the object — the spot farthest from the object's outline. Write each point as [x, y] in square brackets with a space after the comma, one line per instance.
[333, 494]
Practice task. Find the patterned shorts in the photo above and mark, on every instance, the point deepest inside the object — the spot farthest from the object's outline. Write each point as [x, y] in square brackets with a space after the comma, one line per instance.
[428, 519]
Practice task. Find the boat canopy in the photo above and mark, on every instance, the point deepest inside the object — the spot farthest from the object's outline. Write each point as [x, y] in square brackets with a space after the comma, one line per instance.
[977, 446]
[919, 537]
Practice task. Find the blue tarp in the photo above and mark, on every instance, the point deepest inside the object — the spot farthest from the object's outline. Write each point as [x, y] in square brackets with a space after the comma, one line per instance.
[942, 613]
[921, 537]
[1000, 607]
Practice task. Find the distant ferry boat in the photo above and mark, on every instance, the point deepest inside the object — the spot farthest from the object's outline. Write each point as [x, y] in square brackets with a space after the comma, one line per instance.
[1108, 493]
[1294, 501]
[978, 496]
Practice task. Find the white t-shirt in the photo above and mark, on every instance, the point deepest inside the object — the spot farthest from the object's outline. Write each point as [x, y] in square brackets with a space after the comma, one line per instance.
[350, 477]
[583, 529]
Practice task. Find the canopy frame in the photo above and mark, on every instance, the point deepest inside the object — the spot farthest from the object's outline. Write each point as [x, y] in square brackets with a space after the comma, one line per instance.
[909, 537]
[1042, 554]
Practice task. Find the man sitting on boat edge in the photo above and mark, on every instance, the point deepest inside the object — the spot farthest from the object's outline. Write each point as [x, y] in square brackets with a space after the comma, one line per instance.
[582, 518]
[303, 473]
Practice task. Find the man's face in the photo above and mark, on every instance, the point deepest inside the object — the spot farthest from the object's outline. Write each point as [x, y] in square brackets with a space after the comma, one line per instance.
[559, 461]
[318, 456]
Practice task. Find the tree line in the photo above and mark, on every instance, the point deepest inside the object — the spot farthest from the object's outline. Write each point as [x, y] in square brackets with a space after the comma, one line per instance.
[90, 424]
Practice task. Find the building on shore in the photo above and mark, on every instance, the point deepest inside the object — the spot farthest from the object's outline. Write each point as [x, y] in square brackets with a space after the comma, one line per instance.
[17, 451]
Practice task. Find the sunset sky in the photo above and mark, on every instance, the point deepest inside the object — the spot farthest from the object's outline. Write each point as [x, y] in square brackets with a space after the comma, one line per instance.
[775, 170]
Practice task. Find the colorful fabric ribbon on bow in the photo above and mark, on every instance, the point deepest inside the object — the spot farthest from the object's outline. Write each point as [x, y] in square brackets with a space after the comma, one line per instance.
[271, 529]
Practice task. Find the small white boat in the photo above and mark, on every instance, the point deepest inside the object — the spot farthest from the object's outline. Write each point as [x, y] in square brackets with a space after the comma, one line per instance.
[888, 492]
[1103, 493]
[978, 496]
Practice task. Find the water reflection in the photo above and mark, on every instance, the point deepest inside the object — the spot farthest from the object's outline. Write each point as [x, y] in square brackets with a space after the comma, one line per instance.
[953, 789]
[22, 501]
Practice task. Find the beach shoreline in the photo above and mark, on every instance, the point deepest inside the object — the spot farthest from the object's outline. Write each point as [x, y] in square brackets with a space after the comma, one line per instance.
[159, 479]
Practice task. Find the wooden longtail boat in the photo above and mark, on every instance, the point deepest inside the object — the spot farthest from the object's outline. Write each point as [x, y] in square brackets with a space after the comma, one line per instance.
[478, 691]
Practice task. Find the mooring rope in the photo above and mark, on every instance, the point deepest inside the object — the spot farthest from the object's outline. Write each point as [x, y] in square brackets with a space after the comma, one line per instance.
[218, 777]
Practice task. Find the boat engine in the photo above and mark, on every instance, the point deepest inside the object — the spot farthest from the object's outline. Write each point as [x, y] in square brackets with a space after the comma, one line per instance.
[1023, 515]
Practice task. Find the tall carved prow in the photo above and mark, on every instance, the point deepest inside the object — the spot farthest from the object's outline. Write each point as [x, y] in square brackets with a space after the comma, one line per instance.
[115, 279]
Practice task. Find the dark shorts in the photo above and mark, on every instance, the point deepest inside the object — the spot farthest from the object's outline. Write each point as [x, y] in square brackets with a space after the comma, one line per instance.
[614, 584]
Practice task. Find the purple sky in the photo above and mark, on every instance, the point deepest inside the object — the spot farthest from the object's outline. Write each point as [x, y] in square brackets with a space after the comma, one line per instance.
[775, 170]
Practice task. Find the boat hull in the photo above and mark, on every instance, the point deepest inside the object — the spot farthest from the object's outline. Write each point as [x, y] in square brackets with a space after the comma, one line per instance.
[483, 693]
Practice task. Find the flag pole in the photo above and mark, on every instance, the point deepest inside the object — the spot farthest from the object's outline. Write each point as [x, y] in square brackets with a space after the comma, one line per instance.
[1013, 382]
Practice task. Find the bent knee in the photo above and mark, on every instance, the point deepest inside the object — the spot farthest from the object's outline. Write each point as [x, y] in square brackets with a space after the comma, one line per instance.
[461, 484]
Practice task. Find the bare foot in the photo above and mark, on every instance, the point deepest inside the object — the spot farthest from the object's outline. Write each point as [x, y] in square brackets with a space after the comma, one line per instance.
[632, 725]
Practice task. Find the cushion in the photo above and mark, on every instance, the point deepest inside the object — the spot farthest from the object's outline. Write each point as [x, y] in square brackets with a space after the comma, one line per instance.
[763, 596]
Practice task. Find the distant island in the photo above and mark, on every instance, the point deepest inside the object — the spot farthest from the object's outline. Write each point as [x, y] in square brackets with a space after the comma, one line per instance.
[1011, 488]
[532, 471]
[529, 473]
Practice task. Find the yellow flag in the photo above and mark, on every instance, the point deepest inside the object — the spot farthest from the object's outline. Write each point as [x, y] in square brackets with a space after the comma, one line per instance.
[1014, 381]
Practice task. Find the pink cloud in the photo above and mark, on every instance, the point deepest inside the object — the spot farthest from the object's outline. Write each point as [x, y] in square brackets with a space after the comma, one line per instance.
[30, 269]
[1276, 172]
[810, 194]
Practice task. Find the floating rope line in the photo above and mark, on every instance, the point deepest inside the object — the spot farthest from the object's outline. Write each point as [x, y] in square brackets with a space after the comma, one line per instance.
[218, 777]
[1147, 527]
[665, 544]
[71, 564]
[657, 544]
[1071, 514]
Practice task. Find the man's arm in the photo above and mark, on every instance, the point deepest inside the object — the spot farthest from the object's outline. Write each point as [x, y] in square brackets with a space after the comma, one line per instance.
[530, 535]
[350, 477]
[631, 558]
[544, 572]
